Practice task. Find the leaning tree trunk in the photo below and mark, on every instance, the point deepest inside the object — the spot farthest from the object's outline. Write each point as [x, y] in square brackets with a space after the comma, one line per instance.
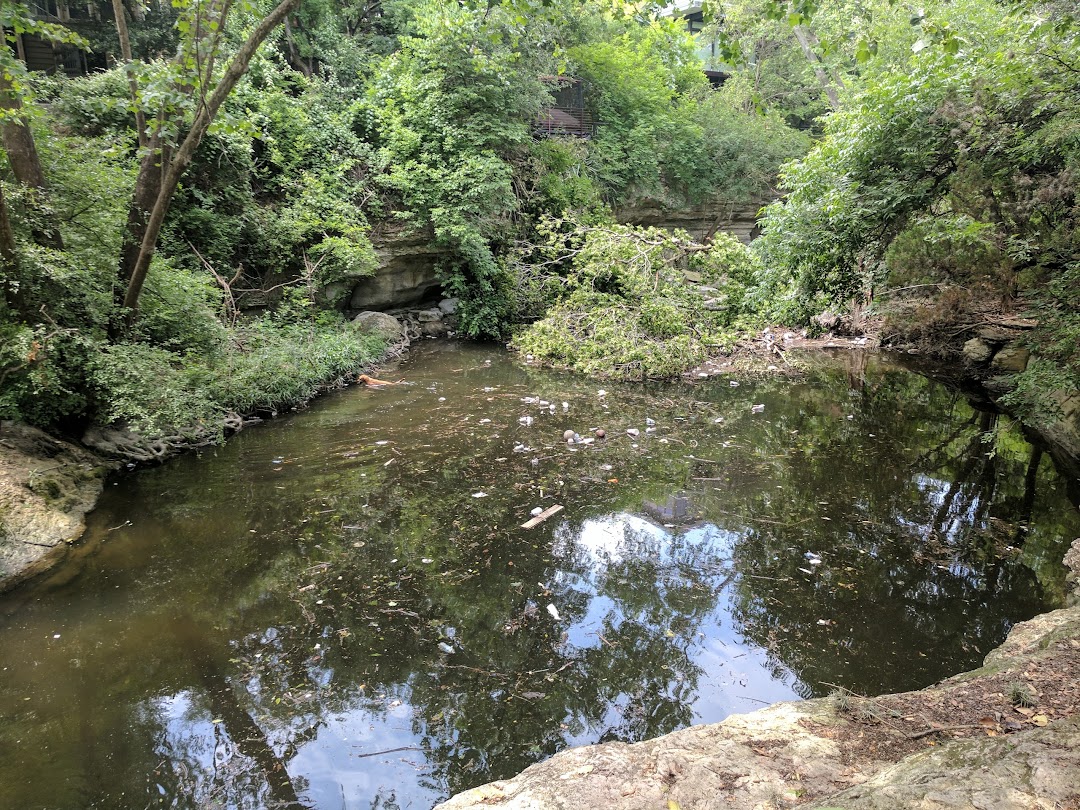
[133, 274]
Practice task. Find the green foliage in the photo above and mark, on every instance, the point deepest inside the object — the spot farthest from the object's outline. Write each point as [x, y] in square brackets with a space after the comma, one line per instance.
[642, 303]
[178, 311]
[261, 366]
[958, 168]
[41, 371]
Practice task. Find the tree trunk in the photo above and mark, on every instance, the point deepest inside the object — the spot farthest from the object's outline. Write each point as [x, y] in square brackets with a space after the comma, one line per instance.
[9, 259]
[828, 83]
[25, 164]
[133, 274]
[133, 85]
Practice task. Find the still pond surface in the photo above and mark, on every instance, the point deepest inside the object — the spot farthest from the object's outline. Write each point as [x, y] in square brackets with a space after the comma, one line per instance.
[340, 609]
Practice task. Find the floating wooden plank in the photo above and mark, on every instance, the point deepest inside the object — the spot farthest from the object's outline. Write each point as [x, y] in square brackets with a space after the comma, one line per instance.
[551, 510]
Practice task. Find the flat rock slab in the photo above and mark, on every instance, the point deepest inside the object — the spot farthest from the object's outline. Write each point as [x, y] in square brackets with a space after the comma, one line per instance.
[46, 488]
[1029, 771]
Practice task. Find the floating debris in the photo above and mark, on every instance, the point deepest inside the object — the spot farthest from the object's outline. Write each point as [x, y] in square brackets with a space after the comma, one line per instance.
[536, 511]
[760, 408]
[525, 420]
[568, 435]
[538, 519]
[479, 494]
[634, 432]
[446, 648]
[553, 612]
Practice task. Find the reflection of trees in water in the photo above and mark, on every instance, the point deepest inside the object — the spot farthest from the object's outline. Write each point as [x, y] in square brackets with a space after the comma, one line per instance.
[914, 560]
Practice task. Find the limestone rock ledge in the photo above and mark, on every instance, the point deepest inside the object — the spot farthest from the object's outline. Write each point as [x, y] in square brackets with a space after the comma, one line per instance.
[812, 754]
[46, 488]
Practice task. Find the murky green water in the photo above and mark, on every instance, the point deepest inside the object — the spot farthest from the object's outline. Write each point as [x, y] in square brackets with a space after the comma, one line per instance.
[341, 609]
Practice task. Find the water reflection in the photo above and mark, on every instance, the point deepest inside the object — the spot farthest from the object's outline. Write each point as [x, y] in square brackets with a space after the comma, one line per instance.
[342, 609]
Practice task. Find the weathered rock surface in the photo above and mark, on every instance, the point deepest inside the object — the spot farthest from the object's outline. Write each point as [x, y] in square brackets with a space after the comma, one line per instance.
[381, 324]
[406, 269]
[1010, 360]
[977, 350]
[813, 754]
[1034, 769]
[739, 219]
[46, 488]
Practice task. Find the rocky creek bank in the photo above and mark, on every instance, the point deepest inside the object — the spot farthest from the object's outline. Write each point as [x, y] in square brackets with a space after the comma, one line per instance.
[46, 488]
[1005, 736]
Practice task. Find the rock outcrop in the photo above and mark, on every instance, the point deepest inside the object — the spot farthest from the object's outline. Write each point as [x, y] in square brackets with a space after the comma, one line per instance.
[406, 269]
[701, 221]
[46, 488]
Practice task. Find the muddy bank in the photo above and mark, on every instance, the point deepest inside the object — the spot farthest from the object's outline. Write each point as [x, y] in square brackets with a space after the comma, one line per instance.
[1003, 736]
[46, 488]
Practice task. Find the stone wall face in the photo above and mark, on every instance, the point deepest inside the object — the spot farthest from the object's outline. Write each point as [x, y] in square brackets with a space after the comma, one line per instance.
[406, 271]
[701, 222]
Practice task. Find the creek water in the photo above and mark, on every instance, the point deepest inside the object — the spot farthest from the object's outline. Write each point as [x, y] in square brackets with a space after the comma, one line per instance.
[341, 608]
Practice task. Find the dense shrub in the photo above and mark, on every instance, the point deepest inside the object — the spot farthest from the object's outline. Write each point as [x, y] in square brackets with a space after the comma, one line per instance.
[643, 303]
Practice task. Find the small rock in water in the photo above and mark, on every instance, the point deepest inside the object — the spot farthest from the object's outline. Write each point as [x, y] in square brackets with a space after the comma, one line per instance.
[600, 433]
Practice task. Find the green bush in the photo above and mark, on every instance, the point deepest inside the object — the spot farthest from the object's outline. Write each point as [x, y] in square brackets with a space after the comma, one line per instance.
[642, 303]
